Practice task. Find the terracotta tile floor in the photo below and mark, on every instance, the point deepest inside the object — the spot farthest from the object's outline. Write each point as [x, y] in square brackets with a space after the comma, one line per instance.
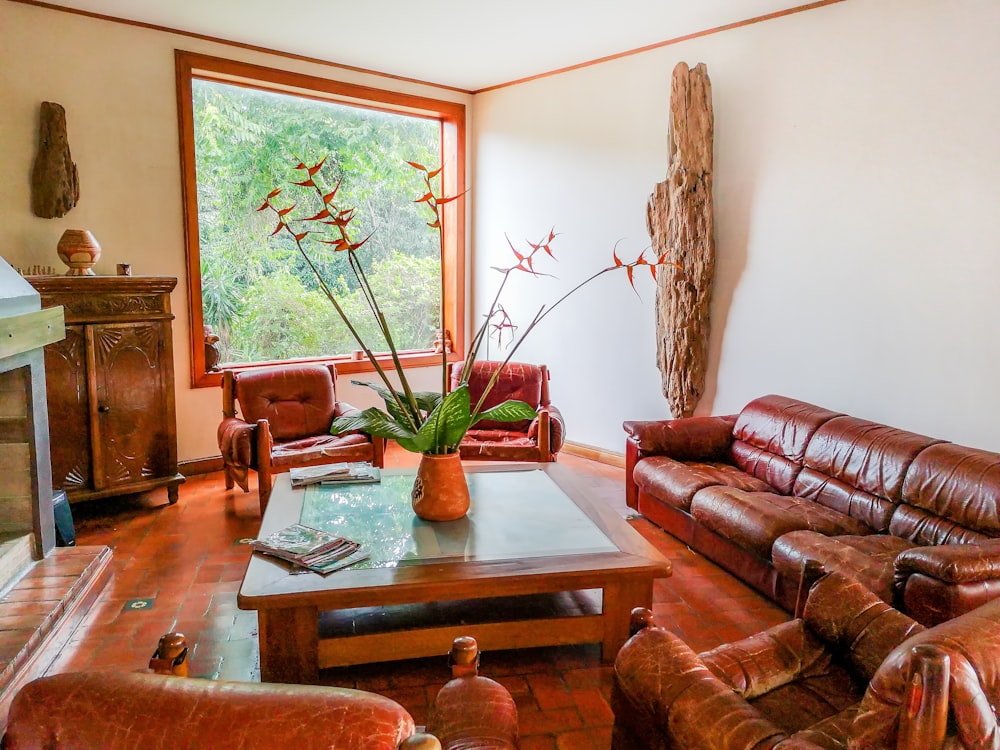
[179, 568]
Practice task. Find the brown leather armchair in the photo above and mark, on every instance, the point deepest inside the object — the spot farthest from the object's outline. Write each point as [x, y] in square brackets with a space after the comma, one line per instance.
[852, 672]
[124, 711]
[536, 439]
[286, 417]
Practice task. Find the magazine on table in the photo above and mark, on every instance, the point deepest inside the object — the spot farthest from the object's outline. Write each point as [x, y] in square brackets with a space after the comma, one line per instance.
[310, 548]
[338, 473]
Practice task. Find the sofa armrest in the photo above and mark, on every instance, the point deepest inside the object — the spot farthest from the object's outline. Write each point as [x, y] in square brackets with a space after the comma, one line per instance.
[690, 439]
[856, 622]
[665, 684]
[237, 443]
[125, 710]
[556, 427]
[472, 712]
[951, 563]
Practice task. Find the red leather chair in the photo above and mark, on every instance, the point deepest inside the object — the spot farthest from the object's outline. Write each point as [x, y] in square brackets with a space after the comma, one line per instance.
[125, 711]
[536, 439]
[286, 417]
[850, 673]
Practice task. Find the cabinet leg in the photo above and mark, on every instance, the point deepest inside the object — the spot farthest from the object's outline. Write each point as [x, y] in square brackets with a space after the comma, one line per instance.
[172, 492]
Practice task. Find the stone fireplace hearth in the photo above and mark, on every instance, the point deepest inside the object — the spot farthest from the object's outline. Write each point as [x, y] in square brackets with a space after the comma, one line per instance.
[43, 590]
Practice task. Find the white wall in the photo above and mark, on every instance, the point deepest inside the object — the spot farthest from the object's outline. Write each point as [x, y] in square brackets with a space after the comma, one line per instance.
[117, 85]
[857, 179]
[857, 174]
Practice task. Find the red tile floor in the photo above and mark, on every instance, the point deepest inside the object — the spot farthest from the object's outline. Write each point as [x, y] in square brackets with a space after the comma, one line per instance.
[179, 568]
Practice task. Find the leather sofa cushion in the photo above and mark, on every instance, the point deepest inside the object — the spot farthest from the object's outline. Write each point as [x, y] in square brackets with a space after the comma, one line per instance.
[869, 559]
[754, 520]
[300, 452]
[865, 455]
[518, 381]
[296, 401]
[676, 482]
[771, 435]
[959, 483]
[924, 528]
[872, 510]
[785, 673]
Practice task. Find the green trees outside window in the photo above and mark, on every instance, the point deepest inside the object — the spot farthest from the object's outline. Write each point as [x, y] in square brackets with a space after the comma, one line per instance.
[259, 296]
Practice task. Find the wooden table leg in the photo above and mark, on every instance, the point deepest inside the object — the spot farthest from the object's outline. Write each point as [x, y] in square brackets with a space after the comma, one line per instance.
[289, 645]
[619, 600]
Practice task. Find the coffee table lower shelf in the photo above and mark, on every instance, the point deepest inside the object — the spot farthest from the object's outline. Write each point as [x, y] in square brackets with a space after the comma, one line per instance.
[295, 643]
[368, 634]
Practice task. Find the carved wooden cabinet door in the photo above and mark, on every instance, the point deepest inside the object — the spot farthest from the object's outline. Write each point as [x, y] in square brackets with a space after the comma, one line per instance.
[69, 412]
[130, 436]
[110, 382]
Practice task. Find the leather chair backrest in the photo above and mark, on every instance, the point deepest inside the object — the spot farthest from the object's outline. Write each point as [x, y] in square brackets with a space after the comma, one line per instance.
[972, 643]
[297, 401]
[857, 468]
[771, 435]
[951, 495]
[518, 381]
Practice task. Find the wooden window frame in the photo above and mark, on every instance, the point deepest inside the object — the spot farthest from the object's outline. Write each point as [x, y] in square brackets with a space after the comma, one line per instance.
[189, 65]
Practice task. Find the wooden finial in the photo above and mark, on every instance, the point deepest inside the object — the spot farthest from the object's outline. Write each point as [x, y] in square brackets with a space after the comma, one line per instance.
[170, 656]
[464, 657]
[640, 619]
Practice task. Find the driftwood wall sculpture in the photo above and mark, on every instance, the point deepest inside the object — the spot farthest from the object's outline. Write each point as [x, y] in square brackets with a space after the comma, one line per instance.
[679, 220]
[55, 185]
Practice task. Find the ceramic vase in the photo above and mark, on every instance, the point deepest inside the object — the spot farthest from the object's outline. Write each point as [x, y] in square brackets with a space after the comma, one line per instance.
[79, 250]
[440, 491]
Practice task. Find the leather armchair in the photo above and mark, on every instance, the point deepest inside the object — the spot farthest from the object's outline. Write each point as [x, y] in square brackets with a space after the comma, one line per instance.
[286, 413]
[851, 672]
[536, 439]
[124, 711]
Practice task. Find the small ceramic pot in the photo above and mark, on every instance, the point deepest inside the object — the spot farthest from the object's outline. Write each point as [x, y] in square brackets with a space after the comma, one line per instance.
[79, 250]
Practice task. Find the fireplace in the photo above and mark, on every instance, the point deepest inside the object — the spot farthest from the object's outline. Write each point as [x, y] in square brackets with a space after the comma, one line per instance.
[26, 523]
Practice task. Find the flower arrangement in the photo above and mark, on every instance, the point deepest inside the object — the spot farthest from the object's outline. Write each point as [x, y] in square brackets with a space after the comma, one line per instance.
[420, 421]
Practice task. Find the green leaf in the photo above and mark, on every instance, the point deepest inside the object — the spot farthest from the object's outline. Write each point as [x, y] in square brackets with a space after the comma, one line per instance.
[508, 411]
[374, 421]
[447, 424]
[428, 400]
[390, 403]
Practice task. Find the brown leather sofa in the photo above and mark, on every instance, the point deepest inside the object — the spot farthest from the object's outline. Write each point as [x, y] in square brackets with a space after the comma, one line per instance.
[784, 483]
[852, 672]
[126, 711]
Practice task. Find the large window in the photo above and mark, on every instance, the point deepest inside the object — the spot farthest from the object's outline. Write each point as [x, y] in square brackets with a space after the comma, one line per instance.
[244, 129]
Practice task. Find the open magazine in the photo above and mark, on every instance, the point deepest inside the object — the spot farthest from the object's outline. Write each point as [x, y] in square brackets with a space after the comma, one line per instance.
[339, 473]
[310, 548]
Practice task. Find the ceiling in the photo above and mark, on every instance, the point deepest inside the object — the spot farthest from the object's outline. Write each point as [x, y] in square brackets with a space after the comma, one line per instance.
[466, 44]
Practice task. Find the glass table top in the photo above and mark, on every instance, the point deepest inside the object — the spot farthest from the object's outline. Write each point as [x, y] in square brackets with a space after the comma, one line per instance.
[514, 514]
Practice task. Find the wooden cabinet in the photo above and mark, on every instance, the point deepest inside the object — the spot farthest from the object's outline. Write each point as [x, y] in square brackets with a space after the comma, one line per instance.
[112, 420]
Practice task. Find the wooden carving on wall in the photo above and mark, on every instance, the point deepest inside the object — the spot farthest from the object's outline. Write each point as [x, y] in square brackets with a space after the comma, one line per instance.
[55, 184]
[679, 220]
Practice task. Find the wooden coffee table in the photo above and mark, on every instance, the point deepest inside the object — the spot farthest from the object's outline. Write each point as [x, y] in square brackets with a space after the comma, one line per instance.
[538, 561]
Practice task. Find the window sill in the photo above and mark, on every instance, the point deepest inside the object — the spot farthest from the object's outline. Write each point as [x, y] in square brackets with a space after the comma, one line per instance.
[344, 365]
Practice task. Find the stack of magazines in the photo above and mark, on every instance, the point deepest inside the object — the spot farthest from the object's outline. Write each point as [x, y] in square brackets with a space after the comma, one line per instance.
[341, 473]
[310, 548]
